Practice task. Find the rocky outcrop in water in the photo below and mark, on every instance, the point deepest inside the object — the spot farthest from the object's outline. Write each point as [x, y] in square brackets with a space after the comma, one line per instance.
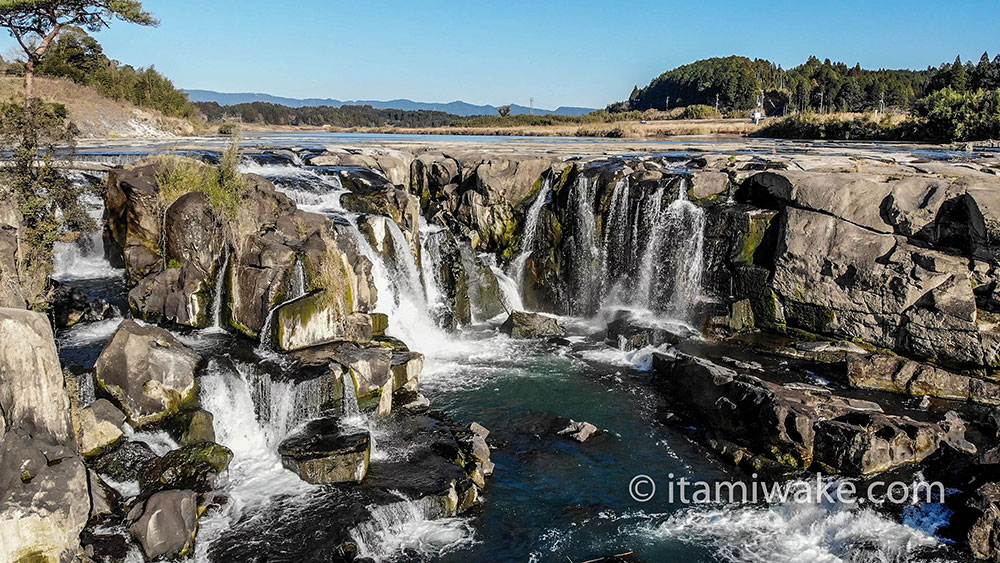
[325, 451]
[520, 324]
[767, 425]
[185, 256]
[147, 372]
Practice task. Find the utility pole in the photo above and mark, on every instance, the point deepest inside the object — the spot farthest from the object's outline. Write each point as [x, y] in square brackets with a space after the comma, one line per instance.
[531, 106]
[716, 101]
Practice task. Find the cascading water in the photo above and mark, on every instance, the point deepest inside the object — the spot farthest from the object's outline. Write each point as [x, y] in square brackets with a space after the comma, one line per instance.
[83, 258]
[409, 526]
[653, 253]
[219, 297]
[430, 267]
[252, 414]
[530, 234]
[617, 250]
[687, 230]
[585, 258]
[650, 266]
[508, 290]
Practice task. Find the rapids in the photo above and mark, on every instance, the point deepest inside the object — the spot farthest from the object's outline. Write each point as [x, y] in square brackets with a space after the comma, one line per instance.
[550, 498]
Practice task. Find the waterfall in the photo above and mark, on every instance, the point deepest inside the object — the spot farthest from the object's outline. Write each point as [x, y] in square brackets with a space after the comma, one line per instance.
[84, 258]
[295, 290]
[672, 258]
[220, 286]
[530, 233]
[619, 248]
[354, 416]
[584, 263]
[650, 263]
[352, 412]
[251, 417]
[406, 263]
[311, 191]
[409, 316]
[508, 290]
[431, 263]
[409, 526]
[687, 222]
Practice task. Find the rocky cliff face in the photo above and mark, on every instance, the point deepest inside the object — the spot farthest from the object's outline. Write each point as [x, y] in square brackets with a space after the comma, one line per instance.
[42, 477]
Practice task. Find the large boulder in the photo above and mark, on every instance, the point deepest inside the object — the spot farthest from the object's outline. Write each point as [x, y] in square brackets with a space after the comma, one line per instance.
[393, 164]
[147, 372]
[124, 461]
[370, 367]
[864, 443]
[521, 324]
[836, 277]
[166, 523]
[774, 423]
[71, 306]
[98, 427]
[314, 320]
[628, 331]
[11, 293]
[261, 269]
[191, 467]
[32, 393]
[133, 221]
[193, 233]
[372, 193]
[324, 451]
[46, 503]
[180, 295]
[984, 535]
[43, 482]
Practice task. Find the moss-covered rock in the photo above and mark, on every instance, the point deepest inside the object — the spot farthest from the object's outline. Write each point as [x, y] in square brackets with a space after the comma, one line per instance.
[191, 467]
[147, 372]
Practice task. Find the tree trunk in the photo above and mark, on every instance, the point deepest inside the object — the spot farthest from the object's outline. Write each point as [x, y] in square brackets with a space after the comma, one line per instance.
[29, 80]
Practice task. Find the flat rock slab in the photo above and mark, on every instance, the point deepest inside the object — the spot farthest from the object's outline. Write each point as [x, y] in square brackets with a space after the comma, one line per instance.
[324, 451]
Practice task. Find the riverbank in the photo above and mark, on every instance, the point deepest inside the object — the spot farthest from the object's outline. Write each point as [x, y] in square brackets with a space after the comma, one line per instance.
[618, 129]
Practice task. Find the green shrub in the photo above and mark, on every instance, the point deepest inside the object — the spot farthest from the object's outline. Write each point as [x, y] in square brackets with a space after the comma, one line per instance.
[79, 57]
[179, 175]
[700, 111]
[949, 115]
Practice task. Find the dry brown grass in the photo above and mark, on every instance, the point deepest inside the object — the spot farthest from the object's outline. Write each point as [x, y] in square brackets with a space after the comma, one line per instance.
[651, 129]
[97, 116]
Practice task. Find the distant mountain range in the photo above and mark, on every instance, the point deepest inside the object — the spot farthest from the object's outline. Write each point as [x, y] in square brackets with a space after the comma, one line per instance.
[456, 108]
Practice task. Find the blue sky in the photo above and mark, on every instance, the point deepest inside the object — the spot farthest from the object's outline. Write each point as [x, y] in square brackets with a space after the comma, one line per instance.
[584, 53]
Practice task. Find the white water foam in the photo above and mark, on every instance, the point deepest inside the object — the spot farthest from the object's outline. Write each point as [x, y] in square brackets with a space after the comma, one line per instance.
[794, 532]
[410, 527]
[85, 334]
[255, 474]
[159, 441]
[84, 259]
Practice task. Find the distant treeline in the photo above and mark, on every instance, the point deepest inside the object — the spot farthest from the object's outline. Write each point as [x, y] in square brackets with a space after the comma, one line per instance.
[322, 116]
[522, 120]
[80, 58]
[954, 101]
